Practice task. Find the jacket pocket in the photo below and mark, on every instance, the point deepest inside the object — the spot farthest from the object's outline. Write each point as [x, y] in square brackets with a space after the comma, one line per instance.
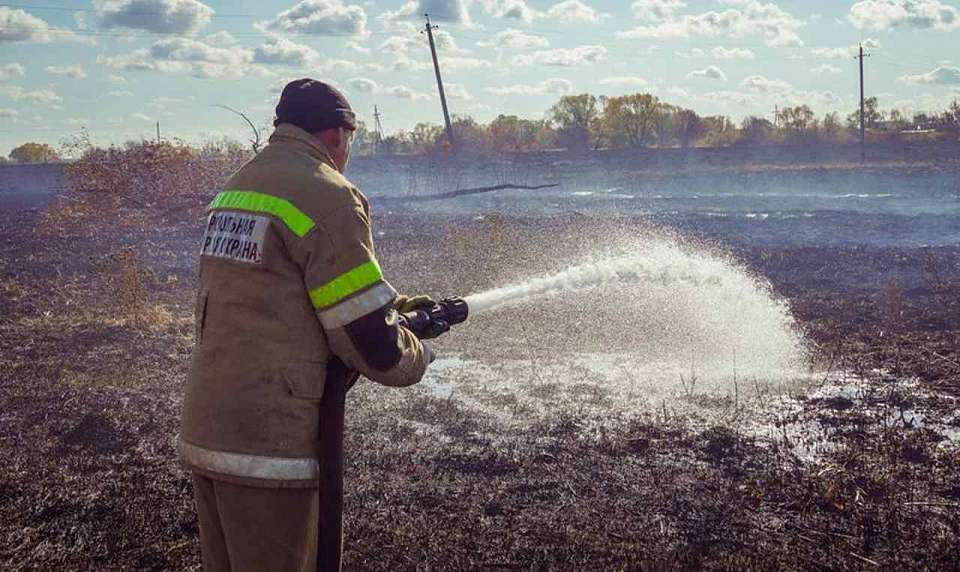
[306, 379]
[200, 316]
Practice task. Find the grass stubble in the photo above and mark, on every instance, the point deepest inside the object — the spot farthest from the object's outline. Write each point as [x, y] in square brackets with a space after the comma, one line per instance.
[96, 338]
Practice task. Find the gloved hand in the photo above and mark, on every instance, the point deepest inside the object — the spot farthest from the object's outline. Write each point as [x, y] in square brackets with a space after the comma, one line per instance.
[404, 304]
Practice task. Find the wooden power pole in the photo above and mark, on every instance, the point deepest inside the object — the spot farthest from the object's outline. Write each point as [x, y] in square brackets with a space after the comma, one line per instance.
[863, 125]
[436, 68]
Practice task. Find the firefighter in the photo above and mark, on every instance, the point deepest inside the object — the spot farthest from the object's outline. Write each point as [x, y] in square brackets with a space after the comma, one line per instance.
[292, 308]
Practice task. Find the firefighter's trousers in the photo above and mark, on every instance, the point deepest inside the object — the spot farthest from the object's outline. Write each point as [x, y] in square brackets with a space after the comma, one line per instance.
[278, 529]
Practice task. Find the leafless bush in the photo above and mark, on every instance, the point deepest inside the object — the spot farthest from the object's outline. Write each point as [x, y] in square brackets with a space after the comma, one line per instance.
[138, 185]
[123, 291]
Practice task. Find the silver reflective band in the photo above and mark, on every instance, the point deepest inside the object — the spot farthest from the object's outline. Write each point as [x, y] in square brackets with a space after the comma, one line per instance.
[252, 466]
[357, 306]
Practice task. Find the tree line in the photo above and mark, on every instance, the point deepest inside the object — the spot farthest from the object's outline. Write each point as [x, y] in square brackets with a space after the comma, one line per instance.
[636, 121]
[641, 120]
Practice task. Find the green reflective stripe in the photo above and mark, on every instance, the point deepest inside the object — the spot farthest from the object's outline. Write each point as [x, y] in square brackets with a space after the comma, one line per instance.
[363, 276]
[295, 219]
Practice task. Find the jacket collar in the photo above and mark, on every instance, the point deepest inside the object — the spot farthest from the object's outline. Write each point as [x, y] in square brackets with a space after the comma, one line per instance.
[289, 133]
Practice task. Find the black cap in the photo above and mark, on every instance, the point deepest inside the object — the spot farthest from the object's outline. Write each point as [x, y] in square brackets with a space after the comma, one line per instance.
[314, 106]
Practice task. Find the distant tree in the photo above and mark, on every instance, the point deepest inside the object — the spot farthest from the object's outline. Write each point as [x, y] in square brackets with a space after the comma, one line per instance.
[576, 119]
[953, 117]
[630, 120]
[756, 130]
[872, 116]
[468, 134]
[689, 127]
[509, 133]
[798, 122]
[719, 131]
[831, 129]
[34, 153]
[425, 136]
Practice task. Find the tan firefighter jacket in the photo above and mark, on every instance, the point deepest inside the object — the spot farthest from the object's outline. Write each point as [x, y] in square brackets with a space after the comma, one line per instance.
[290, 294]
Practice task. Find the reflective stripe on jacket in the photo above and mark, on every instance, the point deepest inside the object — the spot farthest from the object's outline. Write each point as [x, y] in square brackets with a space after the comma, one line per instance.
[290, 293]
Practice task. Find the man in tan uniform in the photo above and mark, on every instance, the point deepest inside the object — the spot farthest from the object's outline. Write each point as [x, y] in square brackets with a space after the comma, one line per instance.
[292, 308]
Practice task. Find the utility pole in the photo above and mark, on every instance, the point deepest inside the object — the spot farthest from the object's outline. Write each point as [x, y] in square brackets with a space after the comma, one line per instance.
[863, 126]
[378, 135]
[436, 67]
[158, 132]
[776, 116]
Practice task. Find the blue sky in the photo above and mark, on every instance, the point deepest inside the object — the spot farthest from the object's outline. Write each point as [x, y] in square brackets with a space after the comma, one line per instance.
[118, 66]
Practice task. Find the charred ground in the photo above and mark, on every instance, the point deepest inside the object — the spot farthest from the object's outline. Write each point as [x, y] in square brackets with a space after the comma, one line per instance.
[95, 344]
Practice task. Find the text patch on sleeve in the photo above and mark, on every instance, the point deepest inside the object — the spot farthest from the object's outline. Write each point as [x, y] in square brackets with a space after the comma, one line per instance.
[235, 235]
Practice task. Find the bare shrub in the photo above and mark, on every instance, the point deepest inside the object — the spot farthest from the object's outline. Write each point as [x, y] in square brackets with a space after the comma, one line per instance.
[137, 185]
[123, 290]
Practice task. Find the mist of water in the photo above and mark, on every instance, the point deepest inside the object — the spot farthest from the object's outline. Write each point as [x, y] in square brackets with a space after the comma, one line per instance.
[679, 301]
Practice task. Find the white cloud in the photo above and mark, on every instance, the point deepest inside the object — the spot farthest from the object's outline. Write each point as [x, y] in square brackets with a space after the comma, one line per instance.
[943, 75]
[509, 10]
[727, 97]
[319, 17]
[826, 68]
[555, 86]
[439, 10]
[159, 16]
[281, 51]
[919, 14]
[572, 11]
[457, 91]
[222, 37]
[456, 63]
[364, 85]
[761, 84]
[404, 92]
[75, 72]
[515, 40]
[38, 96]
[117, 79]
[19, 26]
[564, 57]
[141, 117]
[722, 53]
[845, 52]
[624, 80]
[656, 10]
[7, 113]
[709, 72]
[120, 93]
[10, 71]
[186, 55]
[748, 18]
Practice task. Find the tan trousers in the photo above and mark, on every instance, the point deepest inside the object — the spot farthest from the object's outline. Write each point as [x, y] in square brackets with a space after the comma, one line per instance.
[266, 529]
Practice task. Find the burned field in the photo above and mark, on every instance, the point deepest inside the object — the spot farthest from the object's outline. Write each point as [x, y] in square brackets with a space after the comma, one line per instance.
[513, 455]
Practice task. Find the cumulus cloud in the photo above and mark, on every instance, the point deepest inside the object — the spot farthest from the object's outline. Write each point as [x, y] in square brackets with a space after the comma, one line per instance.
[439, 10]
[19, 26]
[185, 55]
[457, 91]
[656, 10]
[943, 75]
[727, 97]
[363, 85]
[118, 79]
[515, 40]
[826, 68]
[120, 93]
[141, 117]
[10, 71]
[7, 113]
[75, 72]
[722, 53]
[750, 17]
[845, 52]
[158, 16]
[555, 86]
[624, 80]
[509, 10]
[281, 51]
[404, 92]
[709, 72]
[319, 17]
[564, 57]
[761, 84]
[457, 63]
[222, 37]
[919, 14]
[38, 96]
[572, 11]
